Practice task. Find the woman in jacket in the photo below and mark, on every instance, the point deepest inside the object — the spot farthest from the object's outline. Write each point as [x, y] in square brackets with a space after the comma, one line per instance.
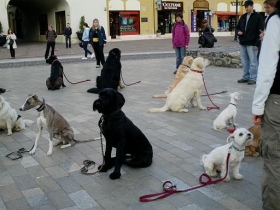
[85, 40]
[97, 38]
[11, 42]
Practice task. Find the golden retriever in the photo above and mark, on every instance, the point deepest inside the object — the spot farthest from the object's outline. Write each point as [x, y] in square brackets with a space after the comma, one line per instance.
[251, 149]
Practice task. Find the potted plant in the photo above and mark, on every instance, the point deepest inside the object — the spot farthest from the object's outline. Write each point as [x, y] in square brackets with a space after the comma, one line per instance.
[158, 32]
[2, 37]
[80, 32]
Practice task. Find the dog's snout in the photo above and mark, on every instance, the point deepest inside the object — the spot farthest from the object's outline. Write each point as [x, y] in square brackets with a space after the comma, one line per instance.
[20, 109]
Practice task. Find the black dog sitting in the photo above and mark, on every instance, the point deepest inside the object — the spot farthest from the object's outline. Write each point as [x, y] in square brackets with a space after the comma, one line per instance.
[55, 81]
[132, 146]
[110, 74]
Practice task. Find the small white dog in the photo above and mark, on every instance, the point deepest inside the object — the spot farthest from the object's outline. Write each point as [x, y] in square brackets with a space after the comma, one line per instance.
[228, 115]
[216, 159]
[9, 119]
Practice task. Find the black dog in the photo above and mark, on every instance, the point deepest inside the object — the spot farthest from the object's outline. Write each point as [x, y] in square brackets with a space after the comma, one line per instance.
[55, 81]
[2, 91]
[110, 74]
[132, 146]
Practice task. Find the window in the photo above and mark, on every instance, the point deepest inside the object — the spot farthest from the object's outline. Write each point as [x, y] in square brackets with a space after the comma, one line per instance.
[60, 22]
[129, 23]
[43, 24]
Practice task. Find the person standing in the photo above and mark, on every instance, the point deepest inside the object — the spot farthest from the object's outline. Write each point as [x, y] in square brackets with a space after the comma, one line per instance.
[248, 30]
[50, 37]
[266, 110]
[98, 41]
[180, 39]
[11, 43]
[85, 40]
[67, 34]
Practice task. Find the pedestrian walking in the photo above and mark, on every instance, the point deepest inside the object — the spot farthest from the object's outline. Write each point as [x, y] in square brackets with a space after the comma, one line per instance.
[180, 39]
[266, 110]
[85, 40]
[50, 37]
[98, 41]
[11, 42]
[67, 34]
[206, 37]
[248, 29]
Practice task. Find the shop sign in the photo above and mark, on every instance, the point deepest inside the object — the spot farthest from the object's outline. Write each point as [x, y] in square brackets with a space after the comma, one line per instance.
[201, 4]
[166, 5]
[239, 3]
[144, 19]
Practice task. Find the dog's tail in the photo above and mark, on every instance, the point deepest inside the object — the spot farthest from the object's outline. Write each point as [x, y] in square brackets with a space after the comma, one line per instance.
[94, 90]
[203, 158]
[28, 122]
[163, 109]
[160, 96]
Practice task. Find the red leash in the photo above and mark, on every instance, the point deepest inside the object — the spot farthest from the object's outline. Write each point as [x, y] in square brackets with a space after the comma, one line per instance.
[209, 107]
[73, 83]
[170, 189]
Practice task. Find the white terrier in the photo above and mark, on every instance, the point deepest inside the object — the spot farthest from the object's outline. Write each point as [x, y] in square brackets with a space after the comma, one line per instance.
[216, 159]
[228, 114]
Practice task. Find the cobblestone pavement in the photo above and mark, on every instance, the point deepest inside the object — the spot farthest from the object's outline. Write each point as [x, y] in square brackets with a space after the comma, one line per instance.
[179, 140]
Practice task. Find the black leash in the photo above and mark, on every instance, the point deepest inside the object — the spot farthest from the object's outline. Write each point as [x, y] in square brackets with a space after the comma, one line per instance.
[18, 154]
[224, 91]
[129, 84]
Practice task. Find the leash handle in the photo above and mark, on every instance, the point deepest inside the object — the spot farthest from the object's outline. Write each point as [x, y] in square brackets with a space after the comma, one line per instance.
[170, 189]
[73, 83]
[209, 107]
[130, 83]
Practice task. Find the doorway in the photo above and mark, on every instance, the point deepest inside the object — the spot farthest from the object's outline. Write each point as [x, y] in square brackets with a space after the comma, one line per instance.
[114, 18]
[166, 20]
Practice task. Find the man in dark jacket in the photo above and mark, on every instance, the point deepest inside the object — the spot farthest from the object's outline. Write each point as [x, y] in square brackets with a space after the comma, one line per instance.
[50, 37]
[67, 34]
[248, 30]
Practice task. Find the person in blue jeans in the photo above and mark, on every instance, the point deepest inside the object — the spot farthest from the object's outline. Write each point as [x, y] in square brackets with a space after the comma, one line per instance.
[85, 40]
[248, 29]
[180, 39]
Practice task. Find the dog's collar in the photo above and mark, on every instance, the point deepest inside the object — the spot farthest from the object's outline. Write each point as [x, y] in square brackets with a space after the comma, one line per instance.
[42, 107]
[232, 104]
[234, 147]
[200, 72]
[54, 61]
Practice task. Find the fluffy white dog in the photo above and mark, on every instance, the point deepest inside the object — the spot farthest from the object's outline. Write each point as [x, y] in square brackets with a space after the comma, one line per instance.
[228, 115]
[216, 159]
[190, 86]
[9, 119]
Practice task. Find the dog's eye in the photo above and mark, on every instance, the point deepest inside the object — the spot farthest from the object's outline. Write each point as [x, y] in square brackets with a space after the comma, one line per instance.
[241, 134]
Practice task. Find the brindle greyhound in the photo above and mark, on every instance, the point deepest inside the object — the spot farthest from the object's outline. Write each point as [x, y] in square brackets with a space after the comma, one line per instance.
[56, 125]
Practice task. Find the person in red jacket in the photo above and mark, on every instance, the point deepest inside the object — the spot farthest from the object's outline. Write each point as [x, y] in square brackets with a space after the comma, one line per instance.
[180, 39]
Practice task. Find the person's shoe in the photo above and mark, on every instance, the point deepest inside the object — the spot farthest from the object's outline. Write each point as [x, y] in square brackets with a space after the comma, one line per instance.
[251, 82]
[242, 81]
[91, 56]
[84, 58]
[175, 72]
[97, 66]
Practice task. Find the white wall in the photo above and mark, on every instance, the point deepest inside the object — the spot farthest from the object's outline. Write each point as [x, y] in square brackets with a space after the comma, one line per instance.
[4, 15]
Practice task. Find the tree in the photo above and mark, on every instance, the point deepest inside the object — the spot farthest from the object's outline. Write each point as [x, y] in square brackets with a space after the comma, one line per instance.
[1, 28]
[82, 21]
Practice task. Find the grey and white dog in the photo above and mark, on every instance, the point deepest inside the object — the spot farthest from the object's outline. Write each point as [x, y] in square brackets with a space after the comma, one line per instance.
[56, 125]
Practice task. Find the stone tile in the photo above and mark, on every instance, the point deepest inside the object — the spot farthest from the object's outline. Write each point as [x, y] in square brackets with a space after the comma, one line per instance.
[182, 146]
[37, 171]
[47, 184]
[35, 197]
[83, 200]
[191, 207]
[28, 161]
[25, 182]
[18, 204]
[2, 205]
[68, 184]
[4, 151]
[5, 178]
[60, 199]
[56, 172]
[81, 178]
[232, 204]
[46, 162]
[10, 192]
[16, 170]
[70, 166]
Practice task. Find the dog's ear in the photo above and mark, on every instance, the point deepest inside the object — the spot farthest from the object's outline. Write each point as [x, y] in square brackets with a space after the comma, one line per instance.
[35, 97]
[190, 60]
[237, 96]
[230, 138]
[120, 99]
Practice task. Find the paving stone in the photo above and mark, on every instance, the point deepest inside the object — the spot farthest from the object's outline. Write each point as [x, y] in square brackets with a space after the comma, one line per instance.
[16, 170]
[60, 199]
[68, 184]
[35, 197]
[5, 178]
[81, 178]
[18, 204]
[10, 192]
[70, 166]
[97, 191]
[25, 182]
[37, 171]
[56, 172]
[82, 199]
[233, 204]
[2, 205]
[46, 162]
[191, 207]
[28, 161]
[47, 184]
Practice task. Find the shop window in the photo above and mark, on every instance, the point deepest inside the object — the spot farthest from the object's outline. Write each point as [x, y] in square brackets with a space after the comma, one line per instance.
[43, 24]
[129, 23]
[60, 22]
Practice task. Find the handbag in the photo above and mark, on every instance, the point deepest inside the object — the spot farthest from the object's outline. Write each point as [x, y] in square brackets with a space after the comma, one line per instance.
[81, 45]
[11, 42]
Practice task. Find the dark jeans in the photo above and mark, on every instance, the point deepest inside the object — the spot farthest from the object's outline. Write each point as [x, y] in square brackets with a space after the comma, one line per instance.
[85, 45]
[52, 45]
[12, 51]
[99, 54]
[68, 41]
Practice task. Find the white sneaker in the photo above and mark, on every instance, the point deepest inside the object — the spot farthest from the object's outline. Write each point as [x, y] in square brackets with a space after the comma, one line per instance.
[84, 58]
[91, 55]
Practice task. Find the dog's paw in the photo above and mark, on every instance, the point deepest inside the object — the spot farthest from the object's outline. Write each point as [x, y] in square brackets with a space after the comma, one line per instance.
[115, 175]
[49, 153]
[255, 154]
[194, 105]
[238, 176]
[227, 179]
[213, 173]
[9, 133]
[202, 107]
[183, 110]
[235, 124]
[32, 152]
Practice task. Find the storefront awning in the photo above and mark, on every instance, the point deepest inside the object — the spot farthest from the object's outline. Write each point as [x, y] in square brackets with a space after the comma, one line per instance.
[227, 13]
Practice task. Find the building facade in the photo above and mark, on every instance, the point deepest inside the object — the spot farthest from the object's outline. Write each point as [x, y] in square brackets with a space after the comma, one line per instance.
[122, 19]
